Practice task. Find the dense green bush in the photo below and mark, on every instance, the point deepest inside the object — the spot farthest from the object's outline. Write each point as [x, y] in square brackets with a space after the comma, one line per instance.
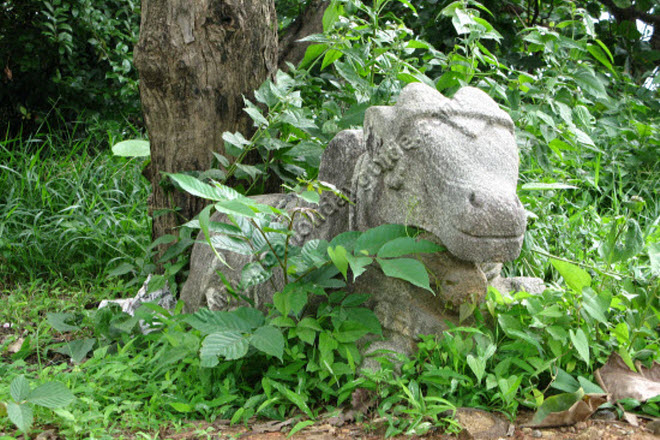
[73, 56]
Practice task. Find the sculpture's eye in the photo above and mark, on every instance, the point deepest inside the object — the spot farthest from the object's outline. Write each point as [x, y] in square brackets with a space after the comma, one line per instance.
[475, 200]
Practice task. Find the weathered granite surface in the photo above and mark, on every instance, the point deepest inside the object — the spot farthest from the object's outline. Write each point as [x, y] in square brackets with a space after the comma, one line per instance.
[447, 166]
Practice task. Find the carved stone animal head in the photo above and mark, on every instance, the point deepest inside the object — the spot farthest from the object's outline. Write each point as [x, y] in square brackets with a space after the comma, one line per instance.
[448, 166]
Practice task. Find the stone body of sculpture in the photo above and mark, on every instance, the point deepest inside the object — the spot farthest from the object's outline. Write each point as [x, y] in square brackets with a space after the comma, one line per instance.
[447, 166]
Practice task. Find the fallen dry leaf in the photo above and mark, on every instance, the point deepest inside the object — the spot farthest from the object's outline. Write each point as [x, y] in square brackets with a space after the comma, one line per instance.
[620, 382]
[480, 424]
[579, 411]
[48, 434]
[630, 418]
[15, 346]
[272, 426]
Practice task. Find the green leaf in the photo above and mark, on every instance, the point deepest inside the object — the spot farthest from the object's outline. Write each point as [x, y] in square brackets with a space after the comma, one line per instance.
[131, 148]
[581, 344]
[291, 300]
[358, 264]
[59, 322]
[230, 344]
[330, 57]
[589, 82]
[605, 49]
[598, 53]
[19, 388]
[595, 305]
[222, 160]
[332, 14]
[300, 425]
[554, 404]
[355, 299]
[227, 243]
[409, 5]
[347, 240]
[654, 257]
[620, 246]
[350, 331]
[327, 344]
[338, 257]
[372, 240]
[254, 274]
[589, 387]
[310, 196]
[294, 398]
[565, 382]
[310, 323]
[209, 322]
[235, 207]
[633, 242]
[477, 365]
[51, 395]
[583, 137]
[236, 139]
[366, 317]
[253, 317]
[198, 188]
[407, 245]
[249, 170]
[538, 186]
[576, 277]
[20, 415]
[314, 253]
[77, 349]
[255, 114]
[406, 269]
[269, 340]
[622, 333]
[181, 407]
[312, 53]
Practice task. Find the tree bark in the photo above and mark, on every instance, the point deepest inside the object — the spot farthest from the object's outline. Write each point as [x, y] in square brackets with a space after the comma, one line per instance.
[196, 58]
[308, 23]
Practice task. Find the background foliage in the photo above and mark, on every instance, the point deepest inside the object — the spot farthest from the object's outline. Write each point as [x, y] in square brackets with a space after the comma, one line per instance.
[75, 57]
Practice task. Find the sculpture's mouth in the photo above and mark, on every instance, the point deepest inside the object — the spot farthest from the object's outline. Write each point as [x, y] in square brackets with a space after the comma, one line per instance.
[513, 236]
[479, 248]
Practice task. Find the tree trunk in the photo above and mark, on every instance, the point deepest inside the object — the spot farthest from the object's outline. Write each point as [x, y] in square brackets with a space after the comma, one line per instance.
[308, 23]
[196, 58]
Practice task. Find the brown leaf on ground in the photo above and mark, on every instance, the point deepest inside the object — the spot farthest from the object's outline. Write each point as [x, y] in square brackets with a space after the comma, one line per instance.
[620, 382]
[272, 426]
[49, 434]
[578, 412]
[479, 424]
[362, 400]
[15, 346]
[630, 418]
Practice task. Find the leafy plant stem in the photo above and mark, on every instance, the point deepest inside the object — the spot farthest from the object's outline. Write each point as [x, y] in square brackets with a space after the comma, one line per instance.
[588, 266]
[272, 249]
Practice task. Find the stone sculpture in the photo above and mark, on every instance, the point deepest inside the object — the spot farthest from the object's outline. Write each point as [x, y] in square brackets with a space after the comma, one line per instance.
[447, 166]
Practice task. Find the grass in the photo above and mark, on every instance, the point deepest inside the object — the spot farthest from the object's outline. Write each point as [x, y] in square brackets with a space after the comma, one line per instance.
[68, 209]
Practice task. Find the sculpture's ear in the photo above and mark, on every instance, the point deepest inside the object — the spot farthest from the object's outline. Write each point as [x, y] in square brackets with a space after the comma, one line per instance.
[379, 127]
[420, 96]
[339, 158]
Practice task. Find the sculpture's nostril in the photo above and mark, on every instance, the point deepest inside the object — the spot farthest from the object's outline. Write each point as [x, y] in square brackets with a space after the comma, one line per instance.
[475, 200]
